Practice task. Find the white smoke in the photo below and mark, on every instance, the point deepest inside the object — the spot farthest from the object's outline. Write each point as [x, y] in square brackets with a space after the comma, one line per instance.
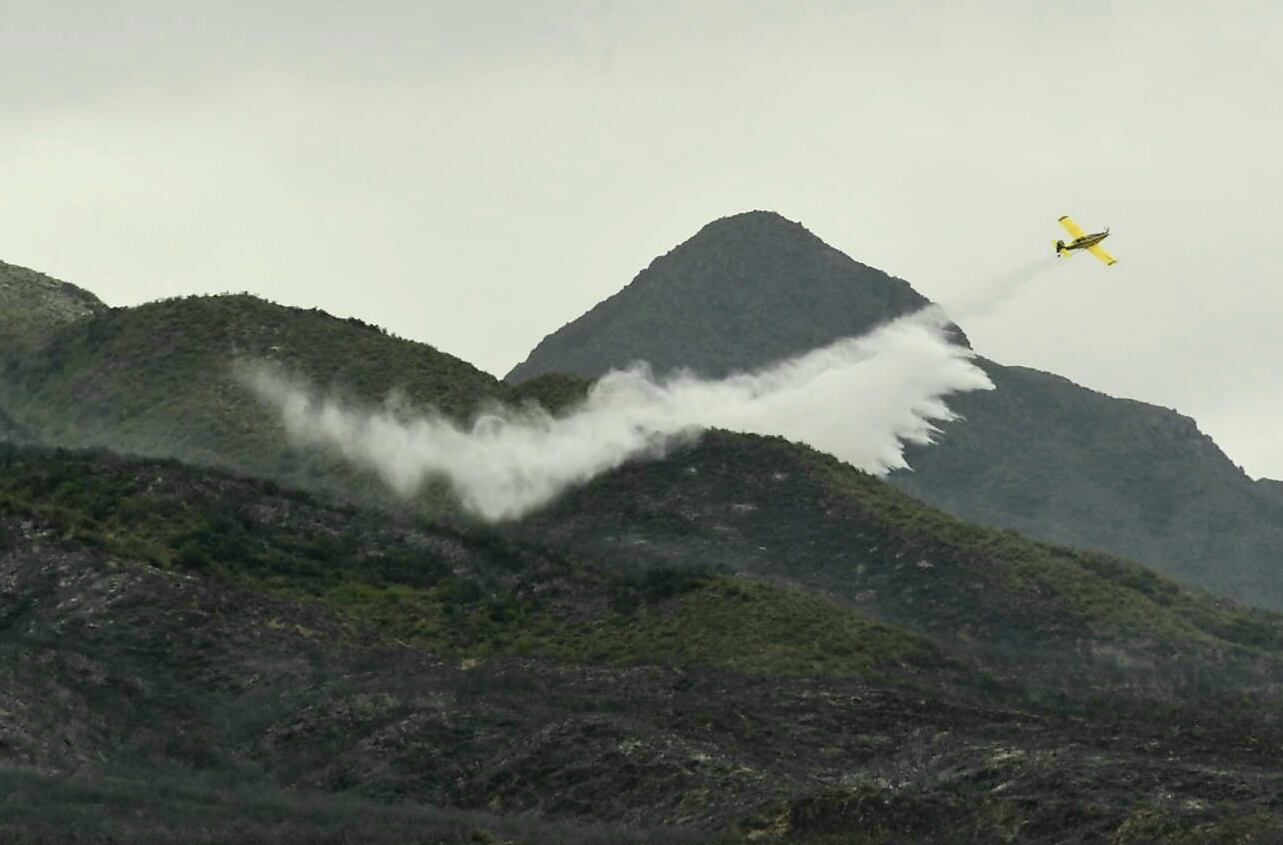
[860, 399]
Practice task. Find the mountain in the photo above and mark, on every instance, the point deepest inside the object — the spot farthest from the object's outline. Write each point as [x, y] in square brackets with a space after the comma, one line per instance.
[33, 305]
[1039, 454]
[714, 303]
[746, 640]
[192, 656]
[159, 380]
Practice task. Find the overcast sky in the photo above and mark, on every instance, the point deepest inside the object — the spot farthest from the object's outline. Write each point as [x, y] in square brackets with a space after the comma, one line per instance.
[475, 174]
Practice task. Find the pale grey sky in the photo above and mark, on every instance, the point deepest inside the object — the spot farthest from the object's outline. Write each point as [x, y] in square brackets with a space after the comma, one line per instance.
[476, 174]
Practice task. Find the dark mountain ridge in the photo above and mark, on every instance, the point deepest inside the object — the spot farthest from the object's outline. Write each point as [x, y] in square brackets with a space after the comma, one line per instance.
[713, 303]
[1040, 454]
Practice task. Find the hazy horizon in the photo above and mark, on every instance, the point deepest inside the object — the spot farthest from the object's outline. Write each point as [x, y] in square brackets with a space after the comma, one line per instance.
[476, 176]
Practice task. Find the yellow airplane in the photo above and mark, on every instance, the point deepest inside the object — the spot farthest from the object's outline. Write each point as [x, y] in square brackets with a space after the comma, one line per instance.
[1082, 240]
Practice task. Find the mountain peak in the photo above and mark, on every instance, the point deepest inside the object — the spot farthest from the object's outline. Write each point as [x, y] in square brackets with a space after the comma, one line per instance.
[756, 220]
[764, 235]
[744, 292]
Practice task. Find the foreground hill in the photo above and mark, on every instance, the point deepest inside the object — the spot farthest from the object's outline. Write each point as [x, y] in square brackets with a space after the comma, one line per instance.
[769, 508]
[1039, 454]
[159, 380]
[299, 672]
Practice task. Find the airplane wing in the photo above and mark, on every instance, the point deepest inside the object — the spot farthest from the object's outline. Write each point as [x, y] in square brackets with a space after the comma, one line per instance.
[1072, 227]
[1099, 252]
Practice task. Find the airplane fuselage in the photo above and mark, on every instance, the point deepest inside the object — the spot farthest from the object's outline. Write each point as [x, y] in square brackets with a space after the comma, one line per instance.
[1085, 242]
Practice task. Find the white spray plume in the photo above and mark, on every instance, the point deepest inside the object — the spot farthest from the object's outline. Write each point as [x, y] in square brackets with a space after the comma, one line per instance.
[860, 399]
[984, 296]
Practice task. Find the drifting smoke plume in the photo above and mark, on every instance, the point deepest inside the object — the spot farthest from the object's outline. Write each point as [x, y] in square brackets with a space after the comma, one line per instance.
[985, 296]
[860, 399]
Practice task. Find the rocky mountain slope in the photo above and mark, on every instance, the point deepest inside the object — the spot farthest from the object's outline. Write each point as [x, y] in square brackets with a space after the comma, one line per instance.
[1050, 458]
[1039, 454]
[714, 304]
[300, 672]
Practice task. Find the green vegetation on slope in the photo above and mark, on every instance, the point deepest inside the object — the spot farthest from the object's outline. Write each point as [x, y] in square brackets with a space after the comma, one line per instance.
[554, 391]
[33, 306]
[162, 623]
[767, 507]
[665, 617]
[158, 380]
[757, 629]
[451, 592]
[1112, 597]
